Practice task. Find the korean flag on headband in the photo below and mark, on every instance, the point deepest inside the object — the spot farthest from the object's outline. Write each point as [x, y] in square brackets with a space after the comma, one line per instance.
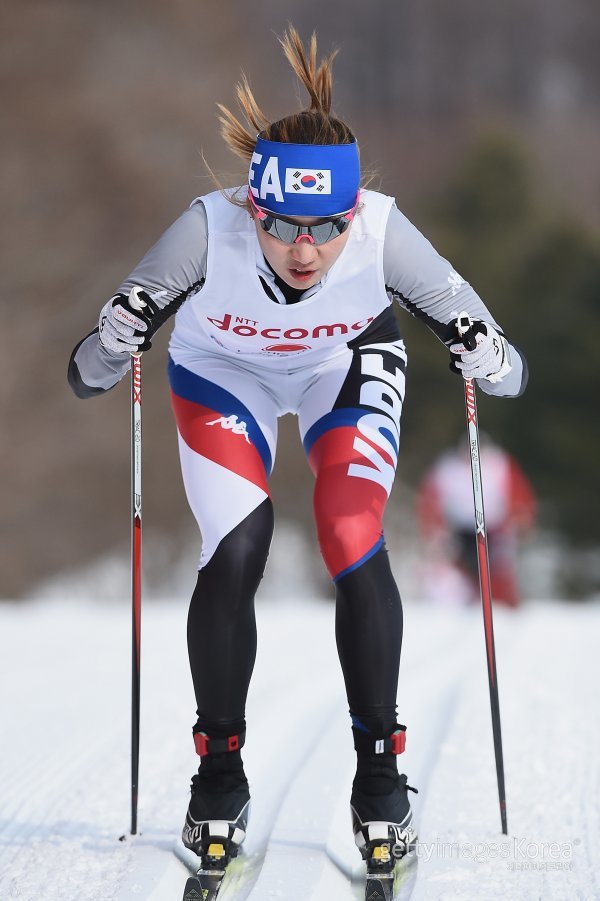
[308, 181]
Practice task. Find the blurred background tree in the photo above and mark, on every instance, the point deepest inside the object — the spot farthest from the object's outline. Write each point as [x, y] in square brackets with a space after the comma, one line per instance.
[540, 272]
[480, 118]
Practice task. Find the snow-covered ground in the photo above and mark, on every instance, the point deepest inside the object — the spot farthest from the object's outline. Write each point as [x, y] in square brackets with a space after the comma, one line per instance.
[64, 767]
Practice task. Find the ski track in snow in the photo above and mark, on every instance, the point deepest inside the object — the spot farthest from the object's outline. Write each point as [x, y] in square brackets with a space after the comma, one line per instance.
[64, 770]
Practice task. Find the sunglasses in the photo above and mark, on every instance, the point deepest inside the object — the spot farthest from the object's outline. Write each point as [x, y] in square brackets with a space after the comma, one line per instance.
[290, 233]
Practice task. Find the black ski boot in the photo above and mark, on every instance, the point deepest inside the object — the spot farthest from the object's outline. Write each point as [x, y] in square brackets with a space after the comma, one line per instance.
[217, 816]
[381, 814]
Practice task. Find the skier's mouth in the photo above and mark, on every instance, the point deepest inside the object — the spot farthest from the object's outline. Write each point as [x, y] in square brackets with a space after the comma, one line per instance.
[302, 275]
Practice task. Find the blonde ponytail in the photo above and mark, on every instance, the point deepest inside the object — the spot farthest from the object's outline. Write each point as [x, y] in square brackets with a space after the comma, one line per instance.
[317, 81]
[314, 125]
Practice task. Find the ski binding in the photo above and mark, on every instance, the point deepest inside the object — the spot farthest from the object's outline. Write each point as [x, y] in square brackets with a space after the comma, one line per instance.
[206, 884]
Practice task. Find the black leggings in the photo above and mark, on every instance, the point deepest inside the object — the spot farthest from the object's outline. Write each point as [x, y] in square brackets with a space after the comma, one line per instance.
[222, 625]
[368, 631]
[222, 630]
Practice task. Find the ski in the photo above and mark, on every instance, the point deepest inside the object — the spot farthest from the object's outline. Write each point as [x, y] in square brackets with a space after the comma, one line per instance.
[395, 886]
[206, 883]
[380, 873]
[204, 886]
[379, 888]
[388, 880]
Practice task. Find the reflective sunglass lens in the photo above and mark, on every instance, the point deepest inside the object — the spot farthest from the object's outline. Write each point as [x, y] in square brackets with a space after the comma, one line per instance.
[285, 231]
[321, 233]
[288, 232]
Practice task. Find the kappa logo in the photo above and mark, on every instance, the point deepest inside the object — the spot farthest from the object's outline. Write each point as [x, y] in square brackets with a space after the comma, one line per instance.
[455, 280]
[238, 427]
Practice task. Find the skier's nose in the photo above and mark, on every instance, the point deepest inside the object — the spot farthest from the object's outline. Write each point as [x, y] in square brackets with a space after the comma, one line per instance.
[303, 253]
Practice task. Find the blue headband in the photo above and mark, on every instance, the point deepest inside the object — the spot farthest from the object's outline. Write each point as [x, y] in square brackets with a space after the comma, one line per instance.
[304, 179]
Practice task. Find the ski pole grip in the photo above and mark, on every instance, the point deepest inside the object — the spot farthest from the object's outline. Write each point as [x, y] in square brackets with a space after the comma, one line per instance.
[134, 300]
[136, 303]
[464, 327]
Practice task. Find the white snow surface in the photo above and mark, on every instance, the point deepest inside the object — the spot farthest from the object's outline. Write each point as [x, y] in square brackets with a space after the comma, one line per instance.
[64, 767]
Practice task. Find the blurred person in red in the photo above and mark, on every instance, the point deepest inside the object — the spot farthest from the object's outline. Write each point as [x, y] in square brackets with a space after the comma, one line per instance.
[445, 514]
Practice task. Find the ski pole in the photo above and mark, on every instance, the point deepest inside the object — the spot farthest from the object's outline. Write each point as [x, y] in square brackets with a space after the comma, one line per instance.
[464, 325]
[136, 563]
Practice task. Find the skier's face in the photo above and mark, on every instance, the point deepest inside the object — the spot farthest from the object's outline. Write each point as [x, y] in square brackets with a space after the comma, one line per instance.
[301, 265]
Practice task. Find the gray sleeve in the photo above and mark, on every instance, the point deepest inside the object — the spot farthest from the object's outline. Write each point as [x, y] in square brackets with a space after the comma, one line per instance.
[176, 265]
[178, 259]
[93, 369]
[426, 285]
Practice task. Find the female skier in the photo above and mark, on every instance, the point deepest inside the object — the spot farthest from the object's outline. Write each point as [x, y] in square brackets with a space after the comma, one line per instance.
[284, 291]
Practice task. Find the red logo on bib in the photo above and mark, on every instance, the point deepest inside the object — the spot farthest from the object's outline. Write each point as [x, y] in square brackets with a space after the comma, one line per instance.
[286, 348]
